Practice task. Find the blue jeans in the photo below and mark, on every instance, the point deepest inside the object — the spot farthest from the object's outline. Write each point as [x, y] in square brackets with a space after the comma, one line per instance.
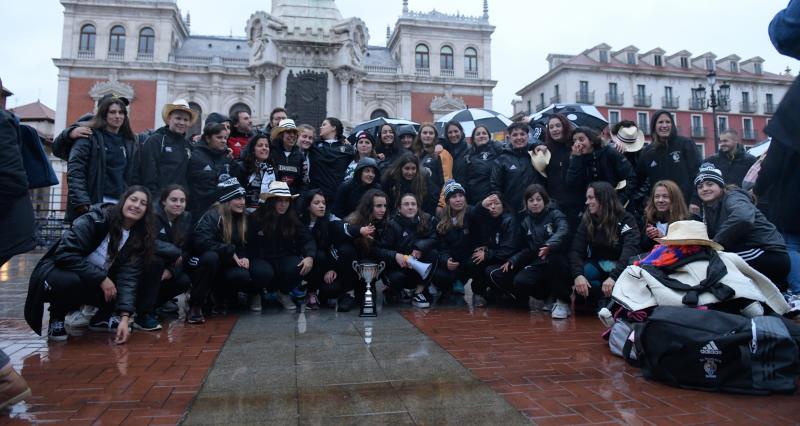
[793, 247]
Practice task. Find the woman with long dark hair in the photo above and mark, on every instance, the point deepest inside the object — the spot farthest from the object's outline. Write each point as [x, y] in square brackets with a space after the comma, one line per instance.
[455, 143]
[558, 140]
[606, 239]
[101, 166]
[329, 157]
[220, 263]
[281, 248]
[256, 170]
[438, 162]
[388, 144]
[480, 162]
[209, 162]
[165, 277]
[497, 237]
[665, 205]
[454, 239]
[372, 213]
[97, 262]
[407, 176]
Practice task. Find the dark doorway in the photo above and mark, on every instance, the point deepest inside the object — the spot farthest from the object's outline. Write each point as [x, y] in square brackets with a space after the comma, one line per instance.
[306, 97]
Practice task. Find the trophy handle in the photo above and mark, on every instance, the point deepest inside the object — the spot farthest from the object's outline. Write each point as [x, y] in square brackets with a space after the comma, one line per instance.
[355, 266]
[381, 267]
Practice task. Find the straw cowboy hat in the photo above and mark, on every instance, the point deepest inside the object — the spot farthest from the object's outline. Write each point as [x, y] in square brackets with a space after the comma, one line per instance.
[285, 125]
[629, 137]
[688, 233]
[540, 160]
[278, 189]
[178, 105]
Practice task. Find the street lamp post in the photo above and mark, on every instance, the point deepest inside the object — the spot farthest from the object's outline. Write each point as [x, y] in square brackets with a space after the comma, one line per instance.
[717, 98]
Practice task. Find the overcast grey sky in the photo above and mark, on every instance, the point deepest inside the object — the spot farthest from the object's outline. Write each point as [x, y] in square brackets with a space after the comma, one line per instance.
[526, 32]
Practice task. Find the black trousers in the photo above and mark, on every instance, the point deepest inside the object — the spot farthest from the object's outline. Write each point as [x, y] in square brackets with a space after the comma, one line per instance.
[67, 293]
[544, 279]
[278, 274]
[153, 292]
[775, 266]
[444, 278]
[345, 275]
[221, 276]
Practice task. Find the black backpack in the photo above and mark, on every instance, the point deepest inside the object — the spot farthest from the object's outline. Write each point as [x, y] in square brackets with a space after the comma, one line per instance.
[717, 351]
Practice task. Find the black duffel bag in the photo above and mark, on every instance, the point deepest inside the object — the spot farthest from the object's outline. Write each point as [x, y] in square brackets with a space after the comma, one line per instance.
[717, 351]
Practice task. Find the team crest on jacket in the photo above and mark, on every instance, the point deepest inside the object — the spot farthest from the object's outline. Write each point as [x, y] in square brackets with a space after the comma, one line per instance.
[676, 156]
[484, 155]
[341, 149]
[549, 228]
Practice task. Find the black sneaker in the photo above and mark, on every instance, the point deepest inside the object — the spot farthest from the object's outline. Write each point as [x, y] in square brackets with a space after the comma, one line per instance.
[146, 322]
[346, 303]
[56, 331]
[109, 324]
[420, 301]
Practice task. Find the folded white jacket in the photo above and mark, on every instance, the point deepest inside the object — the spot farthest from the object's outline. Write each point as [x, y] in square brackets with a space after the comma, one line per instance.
[636, 289]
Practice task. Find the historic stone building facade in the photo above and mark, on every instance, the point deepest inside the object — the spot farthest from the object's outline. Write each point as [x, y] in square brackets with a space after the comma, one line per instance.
[302, 55]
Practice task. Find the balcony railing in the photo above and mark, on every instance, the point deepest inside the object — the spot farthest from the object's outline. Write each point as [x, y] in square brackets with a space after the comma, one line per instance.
[748, 107]
[540, 106]
[584, 97]
[769, 108]
[697, 104]
[447, 72]
[86, 54]
[423, 72]
[616, 99]
[471, 73]
[116, 56]
[749, 134]
[380, 69]
[555, 99]
[144, 56]
[672, 102]
[723, 105]
[699, 132]
[643, 100]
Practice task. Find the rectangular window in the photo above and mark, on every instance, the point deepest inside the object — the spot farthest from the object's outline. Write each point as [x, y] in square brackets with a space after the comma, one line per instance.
[643, 122]
[745, 98]
[668, 92]
[747, 129]
[641, 90]
[631, 58]
[604, 56]
[584, 87]
[757, 67]
[529, 106]
[684, 62]
[701, 149]
[541, 98]
[722, 123]
[613, 117]
[734, 66]
[556, 90]
[710, 64]
[612, 89]
[697, 129]
[657, 60]
[697, 121]
[769, 98]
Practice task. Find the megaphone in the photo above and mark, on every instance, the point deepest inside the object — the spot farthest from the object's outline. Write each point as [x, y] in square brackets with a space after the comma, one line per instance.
[422, 268]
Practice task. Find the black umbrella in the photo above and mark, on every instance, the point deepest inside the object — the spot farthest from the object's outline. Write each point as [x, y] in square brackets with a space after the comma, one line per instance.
[579, 114]
[471, 118]
[373, 125]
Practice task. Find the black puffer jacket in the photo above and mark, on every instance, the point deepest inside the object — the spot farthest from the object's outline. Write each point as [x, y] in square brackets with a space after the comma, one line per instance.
[288, 168]
[548, 228]
[86, 171]
[329, 163]
[678, 161]
[599, 248]
[480, 162]
[459, 151]
[173, 238]
[733, 169]
[165, 159]
[70, 253]
[499, 235]
[260, 246]
[458, 243]
[328, 232]
[603, 164]
[512, 175]
[396, 189]
[736, 224]
[403, 236]
[205, 168]
[207, 236]
[16, 210]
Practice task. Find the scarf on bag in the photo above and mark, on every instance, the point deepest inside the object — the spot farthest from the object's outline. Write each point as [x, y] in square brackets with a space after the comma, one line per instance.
[662, 255]
[711, 283]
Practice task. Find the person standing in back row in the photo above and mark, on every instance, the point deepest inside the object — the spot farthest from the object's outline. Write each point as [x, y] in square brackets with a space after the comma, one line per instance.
[166, 153]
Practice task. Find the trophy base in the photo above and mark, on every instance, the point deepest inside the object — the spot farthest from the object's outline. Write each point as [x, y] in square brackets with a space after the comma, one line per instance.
[368, 312]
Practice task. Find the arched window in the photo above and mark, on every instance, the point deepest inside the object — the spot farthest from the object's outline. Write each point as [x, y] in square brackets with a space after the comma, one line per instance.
[147, 40]
[239, 107]
[117, 42]
[471, 60]
[197, 127]
[378, 113]
[421, 56]
[88, 34]
[446, 55]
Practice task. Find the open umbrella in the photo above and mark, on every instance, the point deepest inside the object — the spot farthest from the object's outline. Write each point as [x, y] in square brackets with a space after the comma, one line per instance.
[373, 125]
[473, 117]
[579, 114]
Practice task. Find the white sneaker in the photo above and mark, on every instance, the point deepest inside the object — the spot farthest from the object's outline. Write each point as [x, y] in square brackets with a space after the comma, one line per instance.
[560, 310]
[81, 317]
[255, 302]
[287, 302]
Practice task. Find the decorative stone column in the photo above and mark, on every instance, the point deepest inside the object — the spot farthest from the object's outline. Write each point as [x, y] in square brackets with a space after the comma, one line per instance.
[269, 74]
[344, 76]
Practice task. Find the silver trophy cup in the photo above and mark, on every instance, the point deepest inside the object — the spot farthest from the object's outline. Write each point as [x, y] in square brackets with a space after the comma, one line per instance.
[369, 273]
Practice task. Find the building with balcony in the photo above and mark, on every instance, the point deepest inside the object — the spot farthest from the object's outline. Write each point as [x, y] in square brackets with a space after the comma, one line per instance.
[632, 85]
[302, 55]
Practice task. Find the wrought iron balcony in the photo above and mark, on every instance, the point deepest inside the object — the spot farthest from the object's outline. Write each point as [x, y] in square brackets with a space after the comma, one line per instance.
[723, 105]
[697, 104]
[699, 132]
[672, 102]
[540, 106]
[769, 108]
[616, 99]
[748, 107]
[584, 97]
[555, 99]
[643, 100]
[749, 134]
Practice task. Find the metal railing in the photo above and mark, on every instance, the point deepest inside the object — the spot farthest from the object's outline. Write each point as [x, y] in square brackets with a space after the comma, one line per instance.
[697, 104]
[769, 108]
[749, 134]
[540, 106]
[582, 97]
[748, 107]
[616, 99]
[698, 132]
[723, 105]
[672, 102]
[643, 100]
[555, 99]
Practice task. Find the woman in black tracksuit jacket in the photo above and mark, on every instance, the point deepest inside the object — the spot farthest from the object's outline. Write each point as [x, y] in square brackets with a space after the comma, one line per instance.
[209, 161]
[480, 163]
[406, 175]
[97, 262]
[454, 239]
[281, 248]
[287, 158]
[164, 275]
[541, 263]
[351, 190]
[604, 242]
[219, 260]
[409, 234]
[497, 240]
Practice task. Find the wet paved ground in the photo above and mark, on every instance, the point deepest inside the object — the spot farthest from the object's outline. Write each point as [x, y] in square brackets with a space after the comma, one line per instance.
[443, 366]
